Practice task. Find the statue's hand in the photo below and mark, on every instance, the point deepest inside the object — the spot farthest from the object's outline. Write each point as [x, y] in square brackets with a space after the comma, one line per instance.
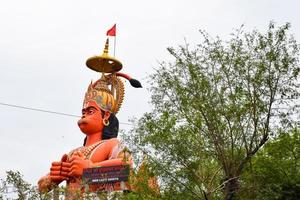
[78, 163]
[58, 173]
[59, 170]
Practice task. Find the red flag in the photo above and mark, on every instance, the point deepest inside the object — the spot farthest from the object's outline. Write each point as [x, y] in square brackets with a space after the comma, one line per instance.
[112, 31]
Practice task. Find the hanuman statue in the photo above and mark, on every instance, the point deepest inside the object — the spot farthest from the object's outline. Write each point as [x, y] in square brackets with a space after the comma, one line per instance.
[99, 123]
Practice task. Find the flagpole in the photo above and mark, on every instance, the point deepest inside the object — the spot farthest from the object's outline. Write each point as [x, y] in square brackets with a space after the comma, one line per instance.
[115, 45]
[112, 32]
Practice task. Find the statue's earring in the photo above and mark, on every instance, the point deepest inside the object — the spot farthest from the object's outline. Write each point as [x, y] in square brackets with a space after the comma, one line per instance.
[105, 122]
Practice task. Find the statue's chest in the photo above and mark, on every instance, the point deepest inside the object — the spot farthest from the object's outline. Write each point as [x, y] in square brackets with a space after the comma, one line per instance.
[87, 151]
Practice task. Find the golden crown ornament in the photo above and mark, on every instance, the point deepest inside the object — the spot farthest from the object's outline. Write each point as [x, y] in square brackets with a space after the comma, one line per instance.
[108, 91]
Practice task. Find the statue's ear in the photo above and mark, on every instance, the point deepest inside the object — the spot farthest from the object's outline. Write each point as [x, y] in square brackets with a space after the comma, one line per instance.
[106, 115]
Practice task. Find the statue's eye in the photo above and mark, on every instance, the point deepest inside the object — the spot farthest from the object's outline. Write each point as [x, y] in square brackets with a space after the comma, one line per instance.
[83, 112]
[91, 111]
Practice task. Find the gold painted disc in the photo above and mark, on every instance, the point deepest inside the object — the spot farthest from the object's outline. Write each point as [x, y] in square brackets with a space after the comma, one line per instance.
[104, 64]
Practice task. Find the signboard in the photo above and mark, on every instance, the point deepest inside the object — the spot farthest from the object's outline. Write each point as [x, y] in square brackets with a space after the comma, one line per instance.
[107, 178]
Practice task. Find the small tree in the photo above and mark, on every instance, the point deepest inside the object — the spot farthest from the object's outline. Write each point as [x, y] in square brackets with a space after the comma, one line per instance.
[14, 186]
[215, 106]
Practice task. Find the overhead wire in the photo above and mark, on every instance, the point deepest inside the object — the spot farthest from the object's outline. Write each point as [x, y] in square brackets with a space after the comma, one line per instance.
[48, 111]
[37, 109]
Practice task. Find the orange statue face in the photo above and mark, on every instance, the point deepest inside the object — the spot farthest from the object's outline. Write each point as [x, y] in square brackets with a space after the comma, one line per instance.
[92, 118]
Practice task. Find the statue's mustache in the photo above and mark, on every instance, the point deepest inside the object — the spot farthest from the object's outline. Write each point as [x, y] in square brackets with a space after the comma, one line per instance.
[82, 121]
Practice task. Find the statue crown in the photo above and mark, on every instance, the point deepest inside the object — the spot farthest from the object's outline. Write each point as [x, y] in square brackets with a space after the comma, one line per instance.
[107, 92]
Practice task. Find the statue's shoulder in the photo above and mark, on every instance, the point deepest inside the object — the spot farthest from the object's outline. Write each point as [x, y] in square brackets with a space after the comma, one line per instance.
[113, 141]
[107, 145]
[118, 149]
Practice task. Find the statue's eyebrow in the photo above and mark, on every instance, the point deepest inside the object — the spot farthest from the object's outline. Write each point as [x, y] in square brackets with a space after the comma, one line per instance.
[90, 107]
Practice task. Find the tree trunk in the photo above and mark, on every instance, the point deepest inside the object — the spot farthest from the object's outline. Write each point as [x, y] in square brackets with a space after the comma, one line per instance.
[231, 188]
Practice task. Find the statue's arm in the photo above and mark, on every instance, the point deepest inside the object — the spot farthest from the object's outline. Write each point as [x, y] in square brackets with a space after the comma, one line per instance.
[112, 162]
[118, 155]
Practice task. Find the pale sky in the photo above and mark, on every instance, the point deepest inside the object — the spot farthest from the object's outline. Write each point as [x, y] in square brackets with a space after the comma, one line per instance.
[44, 45]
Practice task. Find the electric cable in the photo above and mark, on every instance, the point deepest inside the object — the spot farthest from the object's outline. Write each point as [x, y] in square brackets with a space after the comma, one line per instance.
[47, 111]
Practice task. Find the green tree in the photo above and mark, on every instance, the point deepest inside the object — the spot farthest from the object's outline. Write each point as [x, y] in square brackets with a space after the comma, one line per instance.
[214, 107]
[15, 186]
[274, 174]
